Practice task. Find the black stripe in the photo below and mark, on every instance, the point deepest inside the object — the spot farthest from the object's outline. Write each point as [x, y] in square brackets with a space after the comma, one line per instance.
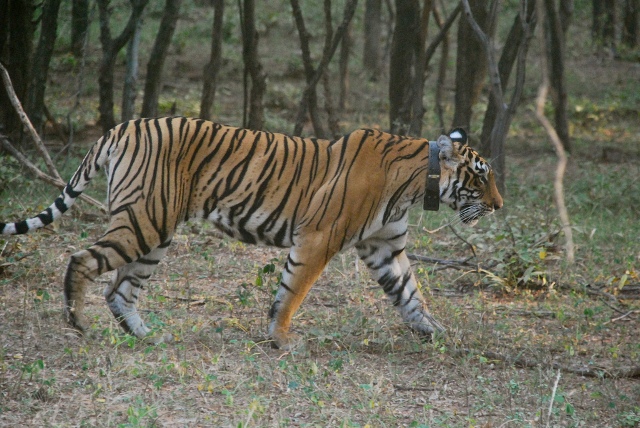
[46, 217]
[22, 227]
[286, 287]
[60, 205]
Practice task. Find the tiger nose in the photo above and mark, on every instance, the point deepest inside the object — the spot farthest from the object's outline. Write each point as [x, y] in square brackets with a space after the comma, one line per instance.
[497, 203]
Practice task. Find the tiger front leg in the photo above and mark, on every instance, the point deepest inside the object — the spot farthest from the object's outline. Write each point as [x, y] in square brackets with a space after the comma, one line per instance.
[303, 267]
[390, 267]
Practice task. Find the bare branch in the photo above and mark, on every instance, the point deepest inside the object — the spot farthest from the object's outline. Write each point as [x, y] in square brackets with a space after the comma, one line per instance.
[57, 182]
[440, 37]
[27, 124]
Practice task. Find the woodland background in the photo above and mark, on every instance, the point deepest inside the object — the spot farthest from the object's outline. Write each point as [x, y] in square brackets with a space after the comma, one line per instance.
[540, 300]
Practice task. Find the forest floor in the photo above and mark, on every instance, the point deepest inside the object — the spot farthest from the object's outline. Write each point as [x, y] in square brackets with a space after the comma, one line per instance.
[531, 341]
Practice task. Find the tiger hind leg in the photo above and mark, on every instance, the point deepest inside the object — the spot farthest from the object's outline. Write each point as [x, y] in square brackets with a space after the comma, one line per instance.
[84, 267]
[123, 292]
[119, 246]
[390, 267]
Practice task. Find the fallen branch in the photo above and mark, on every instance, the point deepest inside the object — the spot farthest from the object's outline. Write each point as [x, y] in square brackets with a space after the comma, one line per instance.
[621, 317]
[455, 264]
[196, 301]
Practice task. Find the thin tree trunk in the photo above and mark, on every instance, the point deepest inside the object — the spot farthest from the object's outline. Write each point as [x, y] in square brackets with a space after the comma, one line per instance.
[42, 58]
[372, 30]
[131, 75]
[442, 69]
[79, 26]
[110, 48]
[405, 38]
[252, 67]
[153, 82]
[505, 66]
[471, 65]
[630, 23]
[349, 10]
[329, 106]
[309, 72]
[345, 53]
[15, 52]
[556, 74]
[603, 23]
[417, 108]
[505, 114]
[565, 12]
[210, 73]
[558, 185]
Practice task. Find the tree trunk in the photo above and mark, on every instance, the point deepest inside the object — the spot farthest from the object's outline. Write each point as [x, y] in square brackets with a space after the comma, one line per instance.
[153, 82]
[505, 66]
[630, 23]
[417, 91]
[403, 50]
[372, 31]
[308, 102]
[566, 13]
[79, 25]
[345, 53]
[505, 111]
[471, 65]
[41, 59]
[442, 69]
[309, 72]
[253, 68]
[603, 23]
[110, 48]
[15, 52]
[556, 73]
[210, 73]
[131, 75]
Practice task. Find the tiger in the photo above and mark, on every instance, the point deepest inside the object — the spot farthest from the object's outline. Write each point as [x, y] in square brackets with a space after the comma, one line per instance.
[314, 196]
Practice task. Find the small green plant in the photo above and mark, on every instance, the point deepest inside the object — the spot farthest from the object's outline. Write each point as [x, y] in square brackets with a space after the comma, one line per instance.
[139, 414]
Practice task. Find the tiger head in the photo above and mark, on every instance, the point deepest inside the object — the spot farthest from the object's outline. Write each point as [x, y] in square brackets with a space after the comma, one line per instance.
[467, 182]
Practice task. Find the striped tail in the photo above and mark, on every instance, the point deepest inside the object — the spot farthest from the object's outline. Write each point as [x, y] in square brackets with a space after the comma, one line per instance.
[89, 167]
[48, 216]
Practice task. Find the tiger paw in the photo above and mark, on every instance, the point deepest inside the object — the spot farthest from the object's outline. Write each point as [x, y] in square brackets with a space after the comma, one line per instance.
[285, 341]
[157, 339]
[76, 320]
[427, 327]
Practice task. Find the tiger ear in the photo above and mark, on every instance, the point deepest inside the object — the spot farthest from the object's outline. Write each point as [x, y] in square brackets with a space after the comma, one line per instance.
[459, 135]
[446, 147]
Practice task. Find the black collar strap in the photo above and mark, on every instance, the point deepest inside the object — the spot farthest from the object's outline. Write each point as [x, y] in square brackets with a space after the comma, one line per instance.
[432, 191]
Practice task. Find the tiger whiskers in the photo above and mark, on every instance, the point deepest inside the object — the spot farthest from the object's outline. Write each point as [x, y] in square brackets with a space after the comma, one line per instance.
[468, 214]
